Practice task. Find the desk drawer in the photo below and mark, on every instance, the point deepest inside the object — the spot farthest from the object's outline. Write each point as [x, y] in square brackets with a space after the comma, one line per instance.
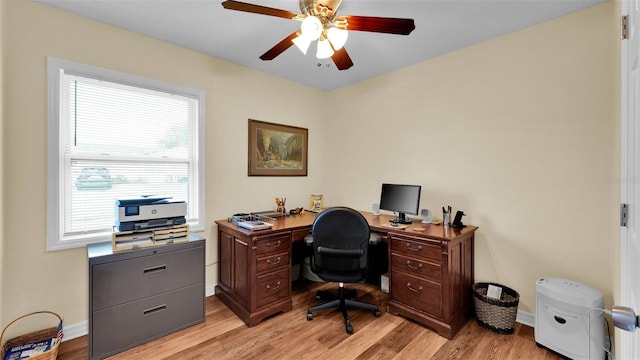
[425, 250]
[123, 281]
[418, 293]
[273, 287]
[300, 234]
[123, 326]
[273, 262]
[278, 242]
[413, 266]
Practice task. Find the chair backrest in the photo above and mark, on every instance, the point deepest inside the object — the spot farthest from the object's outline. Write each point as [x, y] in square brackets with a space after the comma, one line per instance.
[340, 245]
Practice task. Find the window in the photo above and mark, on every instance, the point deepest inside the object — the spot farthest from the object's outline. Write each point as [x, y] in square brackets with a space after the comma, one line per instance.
[112, 135]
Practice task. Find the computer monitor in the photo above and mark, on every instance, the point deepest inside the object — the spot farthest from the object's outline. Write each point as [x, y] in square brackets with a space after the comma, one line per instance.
[401, 199]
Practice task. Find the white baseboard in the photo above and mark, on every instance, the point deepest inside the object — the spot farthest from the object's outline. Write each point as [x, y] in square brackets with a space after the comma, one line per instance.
[210, 290]
[75, 330]
[526, 318]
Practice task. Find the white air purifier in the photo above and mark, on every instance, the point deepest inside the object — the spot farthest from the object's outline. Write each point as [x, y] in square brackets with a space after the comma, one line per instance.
[566, 322]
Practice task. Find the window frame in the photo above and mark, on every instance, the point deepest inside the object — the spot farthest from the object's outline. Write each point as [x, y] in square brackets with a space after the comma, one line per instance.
[56, 239]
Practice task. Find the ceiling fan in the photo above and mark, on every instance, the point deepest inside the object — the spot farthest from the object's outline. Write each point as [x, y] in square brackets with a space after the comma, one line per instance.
[320, 21]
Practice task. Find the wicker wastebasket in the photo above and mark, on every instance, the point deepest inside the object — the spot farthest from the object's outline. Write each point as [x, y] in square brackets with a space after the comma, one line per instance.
[36, 336]
[497, 315]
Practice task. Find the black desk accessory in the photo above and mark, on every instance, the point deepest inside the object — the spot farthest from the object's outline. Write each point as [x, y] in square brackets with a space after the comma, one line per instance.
[457, 221]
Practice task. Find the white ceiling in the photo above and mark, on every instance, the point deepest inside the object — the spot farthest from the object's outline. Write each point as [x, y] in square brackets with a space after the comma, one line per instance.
[205, 26]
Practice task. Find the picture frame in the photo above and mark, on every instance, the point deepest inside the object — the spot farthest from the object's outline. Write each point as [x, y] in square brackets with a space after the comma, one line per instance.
[316, 202]
[277, 150]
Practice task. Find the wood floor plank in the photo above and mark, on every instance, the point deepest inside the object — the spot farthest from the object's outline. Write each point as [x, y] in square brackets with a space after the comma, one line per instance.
[290, 336]
[493, 346]
[360, 341]
[402, 335]
[424, 346]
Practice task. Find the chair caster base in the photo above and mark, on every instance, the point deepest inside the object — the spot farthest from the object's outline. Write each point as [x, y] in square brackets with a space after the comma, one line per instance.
[349, 328]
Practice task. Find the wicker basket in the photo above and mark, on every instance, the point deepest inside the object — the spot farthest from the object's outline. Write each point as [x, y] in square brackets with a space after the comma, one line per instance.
[36, 336]
[497, 315]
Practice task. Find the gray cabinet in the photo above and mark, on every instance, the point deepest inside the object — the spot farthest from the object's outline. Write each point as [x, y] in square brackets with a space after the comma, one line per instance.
[139, 295]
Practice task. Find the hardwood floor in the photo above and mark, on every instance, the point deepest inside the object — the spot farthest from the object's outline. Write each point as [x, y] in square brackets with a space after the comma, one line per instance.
[290, 336]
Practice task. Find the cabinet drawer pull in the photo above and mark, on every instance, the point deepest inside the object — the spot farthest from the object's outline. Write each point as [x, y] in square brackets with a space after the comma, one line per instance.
[269, 244]
[410, 287]
[154, 269]
[410, 266]
[154, 310]
[274, 287]
[418, 248]
[278, 261]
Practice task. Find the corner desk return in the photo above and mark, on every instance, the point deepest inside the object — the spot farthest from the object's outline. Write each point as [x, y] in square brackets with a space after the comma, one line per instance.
[430, 270]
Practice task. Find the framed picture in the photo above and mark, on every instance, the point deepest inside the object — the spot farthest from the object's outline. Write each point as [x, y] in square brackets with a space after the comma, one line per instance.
[316, 202]
[277, 150]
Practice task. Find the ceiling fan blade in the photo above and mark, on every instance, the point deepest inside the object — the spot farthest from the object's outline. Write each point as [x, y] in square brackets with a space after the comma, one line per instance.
[280, 47]
[379, 24]
[257, 9]
[341, 59]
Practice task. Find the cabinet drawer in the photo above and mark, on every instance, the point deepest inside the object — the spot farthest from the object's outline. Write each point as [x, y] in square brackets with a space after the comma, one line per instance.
[272, 262]
[279, 242]
[420, 249]
[273, 287]
[416, 292]
[124, 281]
[420, 268]
[120, 327]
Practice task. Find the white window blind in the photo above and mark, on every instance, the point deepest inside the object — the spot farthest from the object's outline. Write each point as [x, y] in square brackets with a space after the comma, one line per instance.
[119, 136]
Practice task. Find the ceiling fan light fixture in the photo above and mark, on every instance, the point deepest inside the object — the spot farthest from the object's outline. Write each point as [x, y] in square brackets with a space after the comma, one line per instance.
[338, 37]
[302, 42]
[321, 23]
[324, 49]
[311, 27]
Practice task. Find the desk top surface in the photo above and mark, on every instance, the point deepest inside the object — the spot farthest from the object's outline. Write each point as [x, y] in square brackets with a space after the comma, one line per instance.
[378, 223]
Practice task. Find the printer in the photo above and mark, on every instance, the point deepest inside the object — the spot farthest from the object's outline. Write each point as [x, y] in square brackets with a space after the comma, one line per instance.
[146, 212]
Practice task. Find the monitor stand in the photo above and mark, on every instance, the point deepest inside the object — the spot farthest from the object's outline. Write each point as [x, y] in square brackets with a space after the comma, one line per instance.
[402, 218]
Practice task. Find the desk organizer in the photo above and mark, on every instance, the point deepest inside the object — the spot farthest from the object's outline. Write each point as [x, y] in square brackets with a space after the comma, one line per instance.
[134, 239]
[266, 216]
[497, 315]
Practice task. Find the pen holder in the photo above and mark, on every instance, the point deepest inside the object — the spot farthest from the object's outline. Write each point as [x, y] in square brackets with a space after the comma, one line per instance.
[446, 218]
[281, 209]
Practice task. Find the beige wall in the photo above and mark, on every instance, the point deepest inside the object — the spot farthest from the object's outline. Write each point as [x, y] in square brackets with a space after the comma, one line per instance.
[518, 132]
[233, 95]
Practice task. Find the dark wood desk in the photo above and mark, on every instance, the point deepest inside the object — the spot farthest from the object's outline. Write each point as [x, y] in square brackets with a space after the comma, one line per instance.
[430, 270]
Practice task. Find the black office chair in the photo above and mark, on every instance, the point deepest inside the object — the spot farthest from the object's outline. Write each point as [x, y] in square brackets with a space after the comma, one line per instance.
[339, 254]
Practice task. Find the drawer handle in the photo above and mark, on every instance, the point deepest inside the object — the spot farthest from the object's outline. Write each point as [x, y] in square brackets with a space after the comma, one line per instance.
[155, 269]
[410, 266]
[274, 287]
[419, 248]
[269, 244]
[154, 310]
[414, 289]
[278, 261]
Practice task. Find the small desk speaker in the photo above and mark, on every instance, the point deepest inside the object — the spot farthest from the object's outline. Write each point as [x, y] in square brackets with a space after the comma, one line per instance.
[426, 216]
